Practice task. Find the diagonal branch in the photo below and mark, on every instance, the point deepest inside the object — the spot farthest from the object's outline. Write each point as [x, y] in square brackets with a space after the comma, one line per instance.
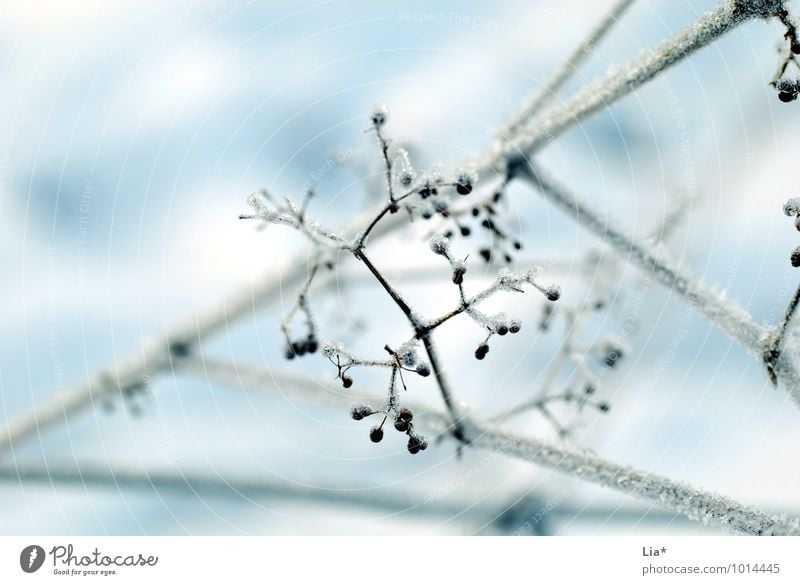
[567, 69]
[719, 311]
[628, 78]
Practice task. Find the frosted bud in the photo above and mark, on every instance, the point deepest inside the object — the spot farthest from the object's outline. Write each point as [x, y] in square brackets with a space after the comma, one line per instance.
[792, 207]
[379, 115]
[440, 245]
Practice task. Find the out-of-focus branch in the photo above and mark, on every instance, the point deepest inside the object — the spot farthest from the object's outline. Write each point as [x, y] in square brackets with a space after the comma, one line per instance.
[547, 92]
[694, 503]
[85, 476]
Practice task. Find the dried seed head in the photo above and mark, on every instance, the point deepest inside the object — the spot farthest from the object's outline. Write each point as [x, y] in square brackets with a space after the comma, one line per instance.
[361, 411]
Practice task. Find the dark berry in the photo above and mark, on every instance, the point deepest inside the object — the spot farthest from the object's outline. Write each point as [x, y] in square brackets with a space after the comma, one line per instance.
[394, 208]
[401, 425]
[312, 345]
[299, 348]
[515, 327]
[475, 212]
[486, 254]
[376, 434]
[347, 381]
[458, 275]
[482, 350]
[405, 414]
[465, 231]
[502, 329]
[787, 96]
[423, 370]
[553, 293]
[612, 358]
[463, 189]
[795, 48]
[416, 444]
[518, 245]
[289, 353]
[604, 407]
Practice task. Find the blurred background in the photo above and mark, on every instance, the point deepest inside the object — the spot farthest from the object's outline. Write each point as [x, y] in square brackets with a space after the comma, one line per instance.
[131, 134]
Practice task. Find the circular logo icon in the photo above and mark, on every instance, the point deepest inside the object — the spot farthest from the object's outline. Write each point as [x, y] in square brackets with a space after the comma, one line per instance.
[31, 558]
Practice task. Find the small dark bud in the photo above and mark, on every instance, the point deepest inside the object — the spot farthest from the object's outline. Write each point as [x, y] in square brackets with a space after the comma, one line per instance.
[475, 212]
[604, 407]
[458, 275]
[515, 327]
[508, 258]
[347, 381]
[497, 196]
[394, 208]
[376, 434]
[795, 258]
[553, 293]
[423, 370]
[612, 358]
[486, 254]
[518, 245]
[589, 389]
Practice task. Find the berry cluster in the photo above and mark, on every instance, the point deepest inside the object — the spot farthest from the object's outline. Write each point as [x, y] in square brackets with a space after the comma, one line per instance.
[402, 422]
